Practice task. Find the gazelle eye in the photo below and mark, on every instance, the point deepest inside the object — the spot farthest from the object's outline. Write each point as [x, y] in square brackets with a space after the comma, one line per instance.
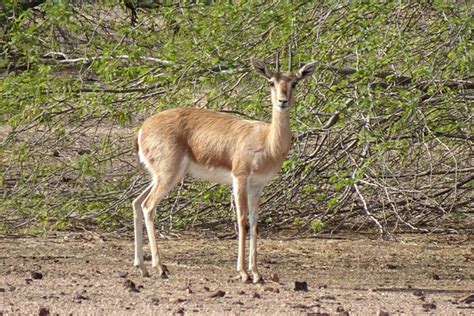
[271, 83]
[294, 84]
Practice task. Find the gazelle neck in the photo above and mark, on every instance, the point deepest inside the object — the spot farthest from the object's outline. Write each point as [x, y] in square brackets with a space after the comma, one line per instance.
[279, 138]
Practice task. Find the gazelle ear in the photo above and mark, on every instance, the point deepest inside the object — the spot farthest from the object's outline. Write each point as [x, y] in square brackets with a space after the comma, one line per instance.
[261, 68]
[306, 71]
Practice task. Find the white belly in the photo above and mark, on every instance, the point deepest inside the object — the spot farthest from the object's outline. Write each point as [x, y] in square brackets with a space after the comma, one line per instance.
[219, 175]
[224, 176]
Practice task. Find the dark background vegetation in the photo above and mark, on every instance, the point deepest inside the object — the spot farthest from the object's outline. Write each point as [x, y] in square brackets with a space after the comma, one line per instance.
[382, 132]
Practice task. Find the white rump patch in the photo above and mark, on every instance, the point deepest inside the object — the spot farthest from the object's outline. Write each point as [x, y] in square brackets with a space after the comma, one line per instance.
[140, 153]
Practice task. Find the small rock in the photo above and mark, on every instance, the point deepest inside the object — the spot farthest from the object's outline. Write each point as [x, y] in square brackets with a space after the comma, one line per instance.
[36, 275]
[392, 266]
[219, 293]
[340, 309]
[299, 306]
[79, 296]
[238, 303]
[241, 292]
[206, 289]
[155, 301]
[317, 314]
[43, 311]
[428, 306]
[130, 285]
[256, 295]
[301, 286]
[180, 311]
[178, 300]
[188, 290]
[268, 260]
[418, 293]
[328, 297]
[468, 299]
[120, 274]
[384, 313]
[28, 281]
[271, 289]
[274, 277]
[2, 290]
[435, 277]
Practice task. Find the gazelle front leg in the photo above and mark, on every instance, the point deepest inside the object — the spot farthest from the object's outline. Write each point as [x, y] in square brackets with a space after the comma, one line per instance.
[253, 200]
[241, 200]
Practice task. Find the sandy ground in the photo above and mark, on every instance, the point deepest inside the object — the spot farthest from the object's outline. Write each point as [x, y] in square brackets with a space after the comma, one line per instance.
[77, 274]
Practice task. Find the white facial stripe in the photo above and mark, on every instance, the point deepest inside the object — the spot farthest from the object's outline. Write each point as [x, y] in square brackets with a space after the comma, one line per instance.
[284, 90]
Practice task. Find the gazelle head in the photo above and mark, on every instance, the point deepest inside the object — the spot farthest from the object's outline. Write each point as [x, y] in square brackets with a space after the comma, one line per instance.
[282, 84]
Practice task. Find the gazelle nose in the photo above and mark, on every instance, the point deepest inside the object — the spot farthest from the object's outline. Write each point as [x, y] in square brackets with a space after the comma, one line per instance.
[283, 103]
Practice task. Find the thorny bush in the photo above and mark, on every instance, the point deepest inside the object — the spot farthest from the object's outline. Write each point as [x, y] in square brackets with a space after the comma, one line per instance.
[382, 134]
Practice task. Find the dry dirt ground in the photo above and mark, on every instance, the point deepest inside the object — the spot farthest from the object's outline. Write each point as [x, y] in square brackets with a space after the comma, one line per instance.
[80, 274]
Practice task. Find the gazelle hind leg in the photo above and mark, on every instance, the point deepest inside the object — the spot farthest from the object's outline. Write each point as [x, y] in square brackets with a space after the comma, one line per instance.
[162, 185]
[138, 228]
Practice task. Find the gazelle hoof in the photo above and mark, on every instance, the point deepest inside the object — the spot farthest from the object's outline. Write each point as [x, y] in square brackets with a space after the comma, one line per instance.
[257, 278]
[244, 277]
[144, 272]
[163, 272]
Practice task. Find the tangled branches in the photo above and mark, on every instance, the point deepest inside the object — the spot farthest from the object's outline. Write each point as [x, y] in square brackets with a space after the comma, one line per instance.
[382, 135]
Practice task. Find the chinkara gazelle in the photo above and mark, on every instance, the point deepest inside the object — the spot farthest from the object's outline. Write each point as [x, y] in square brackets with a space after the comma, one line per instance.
[218, 147]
